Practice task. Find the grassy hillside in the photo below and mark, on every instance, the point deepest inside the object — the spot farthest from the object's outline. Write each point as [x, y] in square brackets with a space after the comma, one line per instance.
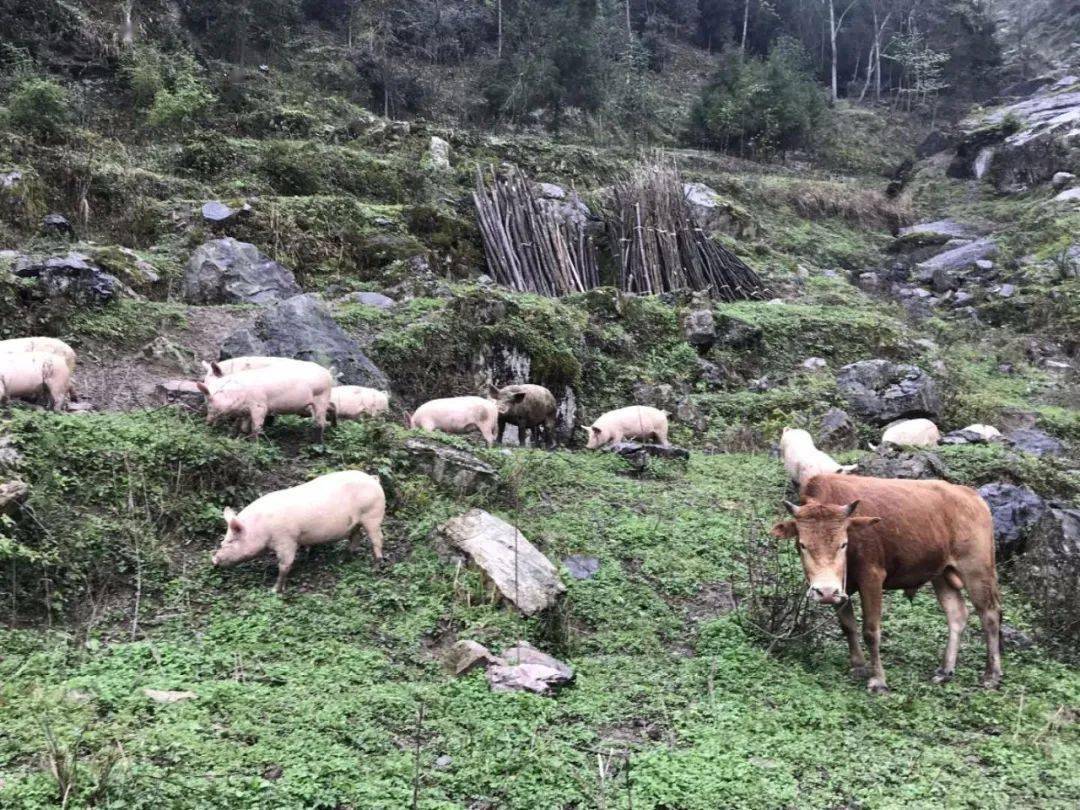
[314, 699]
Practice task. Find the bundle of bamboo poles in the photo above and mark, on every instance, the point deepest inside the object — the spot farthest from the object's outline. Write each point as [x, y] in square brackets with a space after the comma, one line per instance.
[659, 248]
[528, 247]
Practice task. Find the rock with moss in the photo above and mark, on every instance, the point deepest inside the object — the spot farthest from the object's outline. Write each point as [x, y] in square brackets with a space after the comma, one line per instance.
[22, 197]
[880, 391]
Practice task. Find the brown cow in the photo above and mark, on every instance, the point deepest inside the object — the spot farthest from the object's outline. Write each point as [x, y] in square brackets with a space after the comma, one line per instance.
[910, 533]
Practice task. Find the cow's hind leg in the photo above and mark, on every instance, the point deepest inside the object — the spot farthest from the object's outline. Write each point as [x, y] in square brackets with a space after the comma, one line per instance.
[956, 612]
[846, 614]
[983, 591]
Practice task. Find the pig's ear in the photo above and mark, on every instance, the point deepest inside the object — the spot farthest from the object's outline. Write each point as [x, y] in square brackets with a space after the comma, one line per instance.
[785, 528]
[518, 397]
[216, 369]
[228, 513]
[595, 430]
[208, 368]
[493, 391]
[202, 387]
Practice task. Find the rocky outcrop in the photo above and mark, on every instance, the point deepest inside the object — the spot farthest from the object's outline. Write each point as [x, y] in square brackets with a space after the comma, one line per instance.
[1016, 510]
[956, 259]
[225, 271]
[22, 197]
[890, 462]
[302, 328]
[880, 391]
[1049, 569]
[514, 566]
[837, 432]
[460, 471]
[73, 277]
[1026, 142]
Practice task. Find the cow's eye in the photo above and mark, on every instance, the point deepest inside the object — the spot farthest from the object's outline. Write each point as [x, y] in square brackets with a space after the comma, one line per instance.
[843, 545]
[802, 546]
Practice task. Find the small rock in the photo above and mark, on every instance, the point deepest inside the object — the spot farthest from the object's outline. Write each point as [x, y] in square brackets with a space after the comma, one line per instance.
[868, 282]
[944, 281]
[581, 567]
[182, 392]
[466, 655]
[1061, 180]
[444, 762]
[56, 225]
[1006, 290]
[273, 773]
[984, 264]
[528, 670]
[735, 333]
[814, 364]
[1013, 639]
[167, 696]
[699, 329]
[1036, 442]
[837, 432]
[12, 493]
[1071, 195]
[370, 299]
[439, 153]
[10, 457]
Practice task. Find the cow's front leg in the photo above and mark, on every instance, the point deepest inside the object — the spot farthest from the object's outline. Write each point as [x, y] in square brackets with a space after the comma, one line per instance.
[872, 596]
[846, 614]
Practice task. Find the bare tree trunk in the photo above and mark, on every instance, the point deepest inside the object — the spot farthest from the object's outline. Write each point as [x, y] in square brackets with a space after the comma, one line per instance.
[629, 29]
[745, 23]
[499, 11]
[128, 28]
[832, 43]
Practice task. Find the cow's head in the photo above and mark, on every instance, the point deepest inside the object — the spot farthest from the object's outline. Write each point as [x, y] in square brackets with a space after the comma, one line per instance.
[821, 532]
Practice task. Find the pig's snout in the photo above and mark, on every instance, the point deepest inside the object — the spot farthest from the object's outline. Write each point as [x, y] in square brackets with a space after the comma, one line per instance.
[215, 560]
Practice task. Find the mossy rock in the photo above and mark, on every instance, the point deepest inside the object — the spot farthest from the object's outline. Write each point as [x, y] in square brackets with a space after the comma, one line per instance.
[22, 197]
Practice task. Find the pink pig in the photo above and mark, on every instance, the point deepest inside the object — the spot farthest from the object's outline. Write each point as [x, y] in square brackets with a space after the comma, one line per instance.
[43, 345]
[354, 401]
[459, 415]
[636, 422]
[322, 510]
[299, 388]
[223, 368]
[27, 375]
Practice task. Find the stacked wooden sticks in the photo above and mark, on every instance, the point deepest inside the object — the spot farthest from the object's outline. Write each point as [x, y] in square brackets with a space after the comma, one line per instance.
[528, 247]
[661, 249]
[655, 243]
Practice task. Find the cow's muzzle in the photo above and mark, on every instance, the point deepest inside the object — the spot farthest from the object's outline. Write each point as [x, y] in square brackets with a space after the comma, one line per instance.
[826, 595]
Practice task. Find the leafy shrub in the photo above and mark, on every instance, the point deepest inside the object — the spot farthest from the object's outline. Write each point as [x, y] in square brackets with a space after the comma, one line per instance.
[143, 74]
[39, 107]
[182, 100]
[291, 168]
[207, 154]
[759, 106]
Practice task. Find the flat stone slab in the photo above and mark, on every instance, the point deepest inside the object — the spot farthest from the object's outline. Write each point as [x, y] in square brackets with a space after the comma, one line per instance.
[515, 566]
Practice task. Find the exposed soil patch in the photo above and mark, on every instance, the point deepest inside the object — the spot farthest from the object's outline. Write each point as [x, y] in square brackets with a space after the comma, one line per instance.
[126, 379]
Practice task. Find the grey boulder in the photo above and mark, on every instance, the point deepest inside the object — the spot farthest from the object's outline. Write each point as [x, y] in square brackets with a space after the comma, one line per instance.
[302, 328]
[1016, 510]
[226, 271]
[881, 391]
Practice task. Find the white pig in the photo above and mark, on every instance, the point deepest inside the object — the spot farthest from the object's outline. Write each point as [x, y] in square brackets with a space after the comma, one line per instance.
[27, 375]
[803, 460]
[354, 401]
[45, 345]
[458, 415]
[635, 422]
[223, 368]
[324, 509]
[912, 433]
[255, 394]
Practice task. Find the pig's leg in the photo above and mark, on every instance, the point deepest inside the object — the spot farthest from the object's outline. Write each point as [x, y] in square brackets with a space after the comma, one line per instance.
[257, 414]
[487, 431]
[318, 412]
[534, 431]
[286, 556]
[373, 526]
[549, 433]
[661, 436]
[502, 429]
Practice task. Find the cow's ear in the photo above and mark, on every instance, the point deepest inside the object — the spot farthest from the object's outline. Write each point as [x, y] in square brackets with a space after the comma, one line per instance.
[864, 521]
[850, 509]
[785, 528]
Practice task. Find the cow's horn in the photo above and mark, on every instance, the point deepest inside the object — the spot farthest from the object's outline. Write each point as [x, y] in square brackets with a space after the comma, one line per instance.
[790, 507]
